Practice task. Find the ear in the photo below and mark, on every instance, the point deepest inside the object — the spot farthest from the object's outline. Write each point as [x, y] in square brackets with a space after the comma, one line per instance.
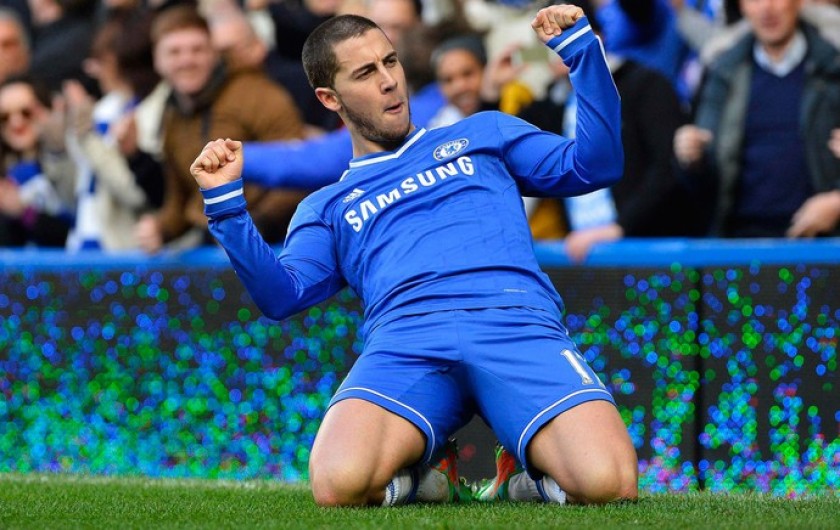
[328, 98]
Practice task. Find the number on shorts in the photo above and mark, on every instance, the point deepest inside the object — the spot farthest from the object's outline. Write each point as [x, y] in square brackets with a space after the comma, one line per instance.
[580, 366]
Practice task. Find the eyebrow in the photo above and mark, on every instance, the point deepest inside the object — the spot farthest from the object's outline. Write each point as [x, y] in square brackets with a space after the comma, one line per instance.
[367, 66]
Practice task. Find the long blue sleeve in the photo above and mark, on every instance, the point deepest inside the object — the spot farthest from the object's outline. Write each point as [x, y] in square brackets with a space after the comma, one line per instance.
[305, 272]
[544, 166]
[304, 164]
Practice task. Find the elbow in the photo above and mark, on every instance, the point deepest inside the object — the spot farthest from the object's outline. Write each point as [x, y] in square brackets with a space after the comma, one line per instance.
[613, 175]
[271, 310]
[608, 171]
[614, 164]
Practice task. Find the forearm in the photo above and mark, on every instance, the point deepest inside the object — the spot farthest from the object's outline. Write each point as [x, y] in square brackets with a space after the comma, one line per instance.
[545, 164]
[275, 288]
[599, 152]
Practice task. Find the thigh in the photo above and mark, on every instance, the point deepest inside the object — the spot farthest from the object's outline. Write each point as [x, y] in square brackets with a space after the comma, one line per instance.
[525, 370]
[588, 451]
[360, 442]
[411, 369]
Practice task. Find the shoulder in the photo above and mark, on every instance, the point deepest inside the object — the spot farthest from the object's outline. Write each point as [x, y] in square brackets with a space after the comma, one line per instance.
[487, 118]
[821, 51]
[738, 53]
[825, 20]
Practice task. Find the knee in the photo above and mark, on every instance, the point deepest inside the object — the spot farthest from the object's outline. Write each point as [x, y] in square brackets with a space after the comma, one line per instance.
[605, 484]
[344, 484]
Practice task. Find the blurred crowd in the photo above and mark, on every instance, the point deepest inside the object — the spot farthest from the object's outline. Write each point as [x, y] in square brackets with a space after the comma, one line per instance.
[730, 109]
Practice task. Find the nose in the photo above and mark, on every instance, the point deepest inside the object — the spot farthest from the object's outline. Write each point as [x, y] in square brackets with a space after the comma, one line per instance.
[389, 82]
[460, 85]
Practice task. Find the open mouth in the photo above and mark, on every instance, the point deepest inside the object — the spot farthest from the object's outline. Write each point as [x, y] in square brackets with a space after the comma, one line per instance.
[394, 108]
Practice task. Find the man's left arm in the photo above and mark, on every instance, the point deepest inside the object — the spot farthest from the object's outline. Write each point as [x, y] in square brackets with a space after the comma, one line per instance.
[545, 164]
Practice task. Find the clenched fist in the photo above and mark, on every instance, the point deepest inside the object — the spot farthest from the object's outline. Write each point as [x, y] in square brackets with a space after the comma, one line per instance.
[552, 20]
[220, 162]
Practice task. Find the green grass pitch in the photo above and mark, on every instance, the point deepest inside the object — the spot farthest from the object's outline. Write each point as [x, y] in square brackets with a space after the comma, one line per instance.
[40, 501]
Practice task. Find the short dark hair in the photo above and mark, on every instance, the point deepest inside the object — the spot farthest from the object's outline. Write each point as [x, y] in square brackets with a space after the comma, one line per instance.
[318, 56]
[37, 85]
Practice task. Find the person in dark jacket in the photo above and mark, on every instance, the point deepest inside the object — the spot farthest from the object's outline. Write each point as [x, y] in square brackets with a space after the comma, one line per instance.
[758, 151]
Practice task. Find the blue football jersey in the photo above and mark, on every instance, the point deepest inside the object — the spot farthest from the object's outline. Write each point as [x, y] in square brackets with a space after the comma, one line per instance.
[439, 223]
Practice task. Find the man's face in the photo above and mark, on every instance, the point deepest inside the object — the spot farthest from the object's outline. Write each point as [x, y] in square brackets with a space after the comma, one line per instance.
[14, 57]
[370, 88]
[459, 75]
[20, 116]
[185, 58]
[773, 21]
[235, 40]
[395, 17]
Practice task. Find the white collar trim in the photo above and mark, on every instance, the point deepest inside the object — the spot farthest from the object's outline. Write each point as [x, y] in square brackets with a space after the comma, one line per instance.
[390, 156]
[794, 55]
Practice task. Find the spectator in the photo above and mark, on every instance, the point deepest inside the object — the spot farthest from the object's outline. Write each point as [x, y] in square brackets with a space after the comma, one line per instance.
[62, 33]
[109, 195]
[699, 21]
[396, 17]
[468, 83]
[207, 102]
[34, 209]
[758, 148]
[138, 132]
[235, 38]
[823, 15]
[649, 200]
[14, 45]
[646, 31]
[293, 21]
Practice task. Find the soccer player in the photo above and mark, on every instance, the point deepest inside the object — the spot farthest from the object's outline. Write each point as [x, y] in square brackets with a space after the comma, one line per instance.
[428, 228]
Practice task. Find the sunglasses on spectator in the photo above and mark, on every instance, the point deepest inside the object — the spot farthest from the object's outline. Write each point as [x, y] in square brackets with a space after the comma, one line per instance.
[26, 113]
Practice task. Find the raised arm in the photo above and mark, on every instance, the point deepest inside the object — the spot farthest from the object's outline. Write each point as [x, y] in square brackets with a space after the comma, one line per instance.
[305, 273]
[304, 164]
[545, 164]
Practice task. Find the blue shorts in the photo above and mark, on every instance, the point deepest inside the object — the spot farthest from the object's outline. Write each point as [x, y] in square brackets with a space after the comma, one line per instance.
[515, 367]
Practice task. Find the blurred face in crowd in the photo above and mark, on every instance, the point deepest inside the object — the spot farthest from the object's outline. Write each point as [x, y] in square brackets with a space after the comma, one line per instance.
[395, 17]
[459, 75]
[237, 42]
[185, 58]
[322, 8]
[369, 89]
[20, 115]
[14, 55]
[773, 21]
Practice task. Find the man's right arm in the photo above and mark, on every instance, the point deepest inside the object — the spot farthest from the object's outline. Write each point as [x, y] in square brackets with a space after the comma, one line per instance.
[304, 164]
[304, 274]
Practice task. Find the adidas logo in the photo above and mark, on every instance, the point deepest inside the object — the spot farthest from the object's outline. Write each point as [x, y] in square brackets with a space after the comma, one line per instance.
[355, 194]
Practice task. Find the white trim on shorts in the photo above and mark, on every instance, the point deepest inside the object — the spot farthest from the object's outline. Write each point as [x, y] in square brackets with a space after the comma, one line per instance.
[432, 445]
[546, 410]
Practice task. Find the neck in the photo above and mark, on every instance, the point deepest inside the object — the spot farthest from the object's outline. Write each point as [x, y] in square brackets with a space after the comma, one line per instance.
[776, 51]
[363, 145]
